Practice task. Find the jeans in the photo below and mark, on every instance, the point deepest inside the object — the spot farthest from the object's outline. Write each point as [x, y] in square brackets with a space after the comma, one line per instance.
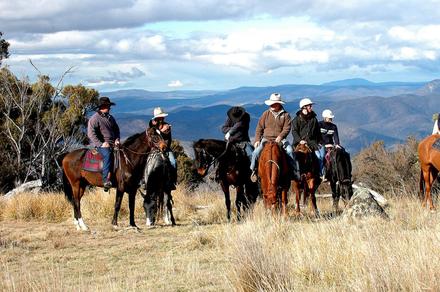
[320, 153]
[286, 145]
[172, 159]
[106, 153]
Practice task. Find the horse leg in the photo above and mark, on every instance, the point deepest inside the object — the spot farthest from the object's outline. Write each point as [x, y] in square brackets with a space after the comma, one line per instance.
[168, 216]
[239, 201]
[78, 191]
[310, 186]
[295, 188]
[335, 196]
[118, 201]
[131, 206]
[225, 188]
[284, 202]
[150, 209]
[432, 177]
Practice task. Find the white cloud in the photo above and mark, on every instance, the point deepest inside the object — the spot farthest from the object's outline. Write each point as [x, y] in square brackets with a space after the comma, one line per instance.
[175, 83]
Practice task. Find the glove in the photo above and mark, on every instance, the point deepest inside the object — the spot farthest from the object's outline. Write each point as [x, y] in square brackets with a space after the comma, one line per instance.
[227, 136]
[256, 144]
[338, 146]
[435, 117]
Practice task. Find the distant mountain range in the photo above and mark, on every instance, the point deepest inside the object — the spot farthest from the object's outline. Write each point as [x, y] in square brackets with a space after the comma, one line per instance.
[364, 111]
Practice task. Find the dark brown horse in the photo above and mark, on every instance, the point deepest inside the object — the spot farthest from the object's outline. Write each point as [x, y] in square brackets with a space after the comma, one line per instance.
[429, 168]
[233, 170]
[309, 178]
[133, 155]
[338, 165]
[274, 177]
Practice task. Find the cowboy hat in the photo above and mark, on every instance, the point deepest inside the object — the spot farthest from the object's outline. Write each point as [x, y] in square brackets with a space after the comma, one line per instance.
[274, 98]
[104, 101]
[235, 113]
[159, 113]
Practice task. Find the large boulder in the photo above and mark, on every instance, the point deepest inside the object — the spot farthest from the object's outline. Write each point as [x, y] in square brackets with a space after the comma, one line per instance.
[363, 204]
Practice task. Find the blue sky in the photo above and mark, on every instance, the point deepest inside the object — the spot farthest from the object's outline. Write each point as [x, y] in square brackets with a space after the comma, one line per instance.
[211, 44]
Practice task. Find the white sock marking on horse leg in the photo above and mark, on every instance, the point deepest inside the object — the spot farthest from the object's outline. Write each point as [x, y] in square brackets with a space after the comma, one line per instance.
[75, 222]
[82, 224]
[166, 218]
[149, 222]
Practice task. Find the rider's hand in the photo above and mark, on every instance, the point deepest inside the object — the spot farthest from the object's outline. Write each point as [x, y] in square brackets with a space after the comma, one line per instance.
[256, 144]
[117, 142]
[278, 139]
[338, 146]
[227, 136]
[165, 128]
[303, 142]
[105, 145]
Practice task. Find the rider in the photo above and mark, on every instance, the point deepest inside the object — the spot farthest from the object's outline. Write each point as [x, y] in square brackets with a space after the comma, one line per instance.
[236, 129]
[305, 129]
[273, 125]
[164, 130]
[103, 132]
[330, 136]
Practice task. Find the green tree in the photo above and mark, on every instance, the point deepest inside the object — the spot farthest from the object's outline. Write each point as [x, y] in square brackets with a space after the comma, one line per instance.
[4, 45]
[186, 172]
[39, 122]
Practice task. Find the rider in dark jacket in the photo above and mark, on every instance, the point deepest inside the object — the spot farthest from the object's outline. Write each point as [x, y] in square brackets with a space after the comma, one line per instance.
[236, 128]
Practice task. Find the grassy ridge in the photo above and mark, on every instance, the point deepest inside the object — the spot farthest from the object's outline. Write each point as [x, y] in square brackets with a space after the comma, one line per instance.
[41, 250]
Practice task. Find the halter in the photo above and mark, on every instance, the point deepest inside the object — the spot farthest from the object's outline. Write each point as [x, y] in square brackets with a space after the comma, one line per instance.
[215, 159]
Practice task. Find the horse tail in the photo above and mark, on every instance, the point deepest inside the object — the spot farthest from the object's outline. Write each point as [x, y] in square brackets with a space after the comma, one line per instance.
[66, 184]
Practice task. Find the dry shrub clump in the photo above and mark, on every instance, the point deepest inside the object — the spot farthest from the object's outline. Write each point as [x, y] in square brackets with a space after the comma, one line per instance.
[51, 207]
[388, 170]
[269, 254]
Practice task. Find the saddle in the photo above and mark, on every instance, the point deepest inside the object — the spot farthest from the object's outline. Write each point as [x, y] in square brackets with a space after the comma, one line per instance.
[436, 145]
[93, 161]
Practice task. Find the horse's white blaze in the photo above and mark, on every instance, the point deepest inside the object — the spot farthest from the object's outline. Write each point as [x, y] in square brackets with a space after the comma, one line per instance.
[149, 222]
[82, 224]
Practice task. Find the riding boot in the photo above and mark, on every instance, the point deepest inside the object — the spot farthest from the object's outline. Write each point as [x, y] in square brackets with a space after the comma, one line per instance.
[173, 178]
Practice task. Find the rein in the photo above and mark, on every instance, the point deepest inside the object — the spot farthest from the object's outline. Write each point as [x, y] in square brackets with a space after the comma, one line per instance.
[216, 158]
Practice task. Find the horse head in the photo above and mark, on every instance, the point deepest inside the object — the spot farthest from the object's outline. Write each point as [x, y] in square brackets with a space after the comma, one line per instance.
[202, 158]
[343, 172]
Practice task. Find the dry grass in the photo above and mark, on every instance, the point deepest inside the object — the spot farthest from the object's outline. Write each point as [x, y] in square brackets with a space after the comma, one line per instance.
[41, 250]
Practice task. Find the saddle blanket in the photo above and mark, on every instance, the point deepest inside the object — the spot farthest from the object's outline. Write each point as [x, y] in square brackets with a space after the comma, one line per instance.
[93, 161]
[436, 144]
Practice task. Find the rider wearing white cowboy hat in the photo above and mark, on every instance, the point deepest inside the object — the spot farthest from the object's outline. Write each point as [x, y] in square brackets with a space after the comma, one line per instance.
[273, 125]
[305, 127]
[162, 128]
[330, 137]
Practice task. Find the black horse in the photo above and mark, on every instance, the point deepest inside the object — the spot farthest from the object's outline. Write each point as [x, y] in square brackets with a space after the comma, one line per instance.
[157, 177]
[132, 158]
[338, 165]
[233, 170]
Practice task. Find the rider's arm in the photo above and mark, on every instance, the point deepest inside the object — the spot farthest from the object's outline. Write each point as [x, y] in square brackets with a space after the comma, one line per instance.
[260, 128]
[286, 127]
[336, 136]
[227, 126]
[92, 130]
[295, 131]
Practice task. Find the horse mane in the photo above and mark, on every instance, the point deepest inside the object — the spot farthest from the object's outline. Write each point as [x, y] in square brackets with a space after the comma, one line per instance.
[211, 143]
[130, 140]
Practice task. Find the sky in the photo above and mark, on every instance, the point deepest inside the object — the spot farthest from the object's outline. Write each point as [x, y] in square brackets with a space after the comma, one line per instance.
[166, 45]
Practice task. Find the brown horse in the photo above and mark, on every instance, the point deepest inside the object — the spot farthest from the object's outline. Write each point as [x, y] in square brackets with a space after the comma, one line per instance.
[133, 155]
[309, 178]
[274, 176]
[429, 168]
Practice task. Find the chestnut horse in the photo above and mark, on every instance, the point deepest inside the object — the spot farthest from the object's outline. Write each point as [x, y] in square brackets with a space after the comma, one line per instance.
[233, 170]
[429, 168]
[133, 156]
[274, 177]
[309, 177]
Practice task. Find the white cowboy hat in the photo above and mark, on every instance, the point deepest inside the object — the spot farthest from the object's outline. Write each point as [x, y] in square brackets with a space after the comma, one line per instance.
[159, 113]
[327, 114]
[305, 101]
[274, 98]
